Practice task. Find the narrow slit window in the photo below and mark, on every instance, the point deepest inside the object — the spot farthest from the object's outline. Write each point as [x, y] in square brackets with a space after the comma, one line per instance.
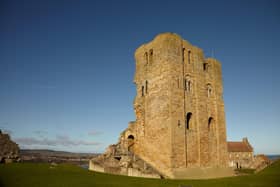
[187, 84]
[151, 53]
[188, 120]
[142, 91]
[189, 56]
[209, 90]
[183, 55]
[146, 87]
[205, 67]
[210, 123]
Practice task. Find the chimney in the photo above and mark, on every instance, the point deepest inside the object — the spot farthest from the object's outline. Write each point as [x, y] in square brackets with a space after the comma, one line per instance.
[245, 140]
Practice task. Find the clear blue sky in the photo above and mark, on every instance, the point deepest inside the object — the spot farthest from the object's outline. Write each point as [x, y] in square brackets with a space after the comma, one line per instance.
[66, 67]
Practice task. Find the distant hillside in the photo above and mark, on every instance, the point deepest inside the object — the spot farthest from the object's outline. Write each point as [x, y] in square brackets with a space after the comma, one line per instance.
[45, 155]
[48, 152]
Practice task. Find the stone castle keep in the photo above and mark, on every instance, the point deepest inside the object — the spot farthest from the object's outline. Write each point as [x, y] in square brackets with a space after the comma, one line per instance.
[180, 119]
[179, 106]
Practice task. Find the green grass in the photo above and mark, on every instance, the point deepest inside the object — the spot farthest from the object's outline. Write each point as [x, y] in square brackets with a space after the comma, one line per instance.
[29, 175]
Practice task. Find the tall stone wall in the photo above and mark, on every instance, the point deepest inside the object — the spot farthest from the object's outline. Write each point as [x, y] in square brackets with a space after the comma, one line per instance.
[153, 100]
[179, 106]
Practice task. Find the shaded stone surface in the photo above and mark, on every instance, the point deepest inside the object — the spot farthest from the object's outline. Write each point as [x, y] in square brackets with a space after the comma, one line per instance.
[120, 159]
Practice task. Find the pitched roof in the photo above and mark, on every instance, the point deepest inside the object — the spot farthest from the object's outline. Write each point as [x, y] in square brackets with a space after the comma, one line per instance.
[239, 147]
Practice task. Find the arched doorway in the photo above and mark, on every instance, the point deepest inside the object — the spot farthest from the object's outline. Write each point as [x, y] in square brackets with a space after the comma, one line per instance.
[130, 142]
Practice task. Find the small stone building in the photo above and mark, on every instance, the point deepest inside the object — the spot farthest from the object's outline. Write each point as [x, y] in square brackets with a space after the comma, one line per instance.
[241, 154]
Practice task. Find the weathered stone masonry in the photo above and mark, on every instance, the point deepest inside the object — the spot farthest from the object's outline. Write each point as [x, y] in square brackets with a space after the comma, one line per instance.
[179, 106]
[180, 120]
[180, 129]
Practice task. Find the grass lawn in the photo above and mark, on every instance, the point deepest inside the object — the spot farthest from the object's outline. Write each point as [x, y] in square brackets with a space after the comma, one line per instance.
[29, 175]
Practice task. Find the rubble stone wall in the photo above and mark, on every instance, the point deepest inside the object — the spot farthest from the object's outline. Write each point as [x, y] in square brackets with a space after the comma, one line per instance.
[9, 150]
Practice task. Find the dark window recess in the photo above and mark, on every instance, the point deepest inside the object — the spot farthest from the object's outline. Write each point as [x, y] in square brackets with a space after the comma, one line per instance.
[205, 67]
[187, 85]
[188, 120]
[209, 90]
[131, 137]
[210, 122]
[189, 57]
[151, 53]
[142, 91]
[118, 158]
[146, 87]
[183, 55]
[130, 142]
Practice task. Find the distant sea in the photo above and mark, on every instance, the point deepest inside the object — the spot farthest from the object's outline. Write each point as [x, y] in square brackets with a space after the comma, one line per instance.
[273, 157]
[85, 166]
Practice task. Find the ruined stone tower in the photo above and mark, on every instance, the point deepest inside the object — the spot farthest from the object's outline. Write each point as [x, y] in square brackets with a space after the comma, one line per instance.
[179, 107]
[180, 120]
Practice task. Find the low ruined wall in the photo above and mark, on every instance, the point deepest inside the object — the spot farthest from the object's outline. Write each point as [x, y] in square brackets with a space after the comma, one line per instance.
[121, 171]
[136, 173]
[95, 167]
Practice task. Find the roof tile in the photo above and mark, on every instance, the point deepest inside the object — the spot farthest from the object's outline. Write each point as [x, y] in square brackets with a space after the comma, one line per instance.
[239, 147]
